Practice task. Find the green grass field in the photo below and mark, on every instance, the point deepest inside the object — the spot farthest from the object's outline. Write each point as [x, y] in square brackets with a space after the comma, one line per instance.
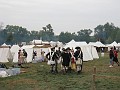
[37, 77]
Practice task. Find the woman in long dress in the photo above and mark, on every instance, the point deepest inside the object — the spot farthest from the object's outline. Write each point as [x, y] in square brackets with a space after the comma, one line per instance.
[20, 58]
[73, 64]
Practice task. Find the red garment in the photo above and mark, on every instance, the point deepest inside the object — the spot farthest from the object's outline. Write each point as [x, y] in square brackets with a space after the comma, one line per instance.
[115, 53]
[72, 60]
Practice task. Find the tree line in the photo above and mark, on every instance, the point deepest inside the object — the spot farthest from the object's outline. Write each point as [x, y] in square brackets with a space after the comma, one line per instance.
[13, 34]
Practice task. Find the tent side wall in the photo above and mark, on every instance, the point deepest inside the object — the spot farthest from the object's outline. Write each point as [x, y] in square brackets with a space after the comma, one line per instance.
[86, 54]
[14, 50]
[29, 54]
[4, 53]
[94, 52]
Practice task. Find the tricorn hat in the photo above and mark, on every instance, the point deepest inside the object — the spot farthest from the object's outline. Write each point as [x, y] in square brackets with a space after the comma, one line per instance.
[77, 47]
[68, 48]
[53, 48]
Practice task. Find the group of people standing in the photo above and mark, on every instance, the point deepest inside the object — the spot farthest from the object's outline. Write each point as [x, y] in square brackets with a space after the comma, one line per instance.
[67, 57]
[113, 54]
[22, 57]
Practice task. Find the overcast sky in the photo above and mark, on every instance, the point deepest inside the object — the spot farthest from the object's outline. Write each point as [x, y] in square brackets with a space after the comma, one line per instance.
[63, 15]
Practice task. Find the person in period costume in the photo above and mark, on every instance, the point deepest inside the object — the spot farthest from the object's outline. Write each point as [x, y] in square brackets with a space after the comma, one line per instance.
[34, 55]
[42, 58]
[111, 56]
[66, 57]
[53, 57]
[116, 57]
[79, 55]
[20, 58]
[59, 52]
[25, 56]
[73, 64]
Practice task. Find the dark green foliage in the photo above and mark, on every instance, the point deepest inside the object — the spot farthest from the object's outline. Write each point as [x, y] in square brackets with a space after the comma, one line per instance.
[107, 33]
[84, 35]
[16, 34]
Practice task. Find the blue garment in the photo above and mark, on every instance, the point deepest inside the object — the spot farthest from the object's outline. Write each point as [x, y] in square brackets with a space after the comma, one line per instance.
[111, 60]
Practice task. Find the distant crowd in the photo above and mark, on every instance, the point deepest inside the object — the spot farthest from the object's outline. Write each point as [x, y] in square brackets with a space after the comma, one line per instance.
[68, 59]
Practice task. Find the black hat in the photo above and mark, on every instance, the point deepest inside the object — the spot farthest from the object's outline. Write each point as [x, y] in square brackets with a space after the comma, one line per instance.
[114, 48]
[111, 48]
[68, 48]
[63, 49]
[77, 48]
[53, 48]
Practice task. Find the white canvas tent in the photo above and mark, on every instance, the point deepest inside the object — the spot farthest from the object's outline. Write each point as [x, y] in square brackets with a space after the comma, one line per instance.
[4, 44]
[93, 52]
[59, 44]
[53, 44]
[118, 44]
[97, 44]
[113, 44]
[38, 48]
[86, 53]
[29, 49]
[14, 50]
[36, 42]
[91, 43]
[87, 50]
[5, 54]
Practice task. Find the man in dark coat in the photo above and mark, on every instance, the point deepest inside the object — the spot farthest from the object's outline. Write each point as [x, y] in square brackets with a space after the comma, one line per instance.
[25, 56]
[111, 56]
[66, 56]
[78, 54]
[53, 57]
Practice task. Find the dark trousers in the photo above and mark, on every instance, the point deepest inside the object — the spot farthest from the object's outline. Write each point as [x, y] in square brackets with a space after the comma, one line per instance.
[54, 67]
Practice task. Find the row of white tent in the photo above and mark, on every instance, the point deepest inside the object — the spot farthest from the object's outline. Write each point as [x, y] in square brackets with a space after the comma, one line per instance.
[89, 51]
[29, 49]
[99, 44]
[6, 54]
[11, 54]
[52, 43]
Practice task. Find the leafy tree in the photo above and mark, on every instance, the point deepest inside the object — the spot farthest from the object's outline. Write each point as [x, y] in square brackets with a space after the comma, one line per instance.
[18, 34]
[100, 33]
[84, 35]
[10, 38]
[12, 34]
[107, 33]
[49, 27]
[118, 35]
[47, 33]
[65, 37]
[34, 35]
